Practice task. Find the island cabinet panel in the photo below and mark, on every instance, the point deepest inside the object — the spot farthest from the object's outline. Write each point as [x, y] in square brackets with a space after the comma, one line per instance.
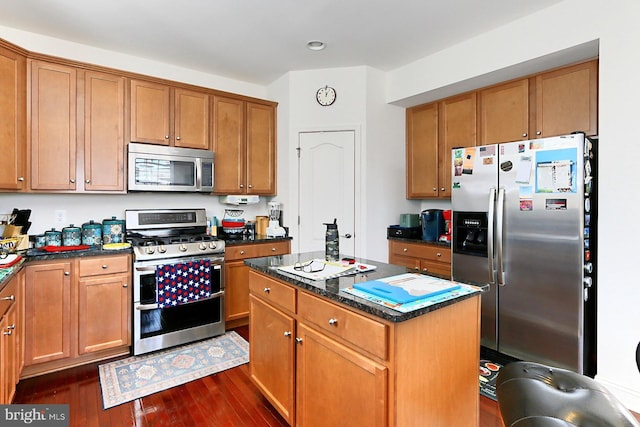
[350, 367]
[272, 355]
[11, 333]
[13, 143]
[336, 384]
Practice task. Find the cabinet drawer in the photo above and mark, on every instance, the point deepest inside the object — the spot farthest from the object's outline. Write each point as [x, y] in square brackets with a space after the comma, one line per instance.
[8, 296]
[274, 292]
[257, 250]
[365, 333]
[417, 250]
[96, 266]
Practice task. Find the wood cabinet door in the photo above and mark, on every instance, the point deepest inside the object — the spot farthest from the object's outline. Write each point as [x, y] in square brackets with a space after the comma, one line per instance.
[335, 383]
[53, 127]
[228, 146]
[150, 112]
[9, 354]
[272, 361]
[567, 101]
[191, 120]
[458, 128]
[236, 280]
[13, 143]
[504, 113]
[104, 148]
[422, 151]
[48, 326]
[261, 149]
[104, 313]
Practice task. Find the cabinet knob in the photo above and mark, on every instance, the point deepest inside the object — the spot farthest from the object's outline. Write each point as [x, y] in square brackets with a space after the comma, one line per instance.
[20, 178]
[425, 269]
[524, 135]
[9, 298]
[405, 250]
[273, 249]
[438, 254]
[442, 189]
[166, 137]
[539, 133]
[12, 326]
[124, 285]
[105, 266]
[178, 138]
[435, 189]
[250, 186]
[66, 273]
[241, 252]
[287, 333]
[88, 181]
[267, 290]
[299, 340]
[73, 181]
[7, 333]
[333, 321]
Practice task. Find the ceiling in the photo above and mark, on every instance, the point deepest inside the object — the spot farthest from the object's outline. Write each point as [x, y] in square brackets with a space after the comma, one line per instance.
[258, 41]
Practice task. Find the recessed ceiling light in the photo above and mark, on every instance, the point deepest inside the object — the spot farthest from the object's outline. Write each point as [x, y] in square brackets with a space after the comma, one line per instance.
[316, 45]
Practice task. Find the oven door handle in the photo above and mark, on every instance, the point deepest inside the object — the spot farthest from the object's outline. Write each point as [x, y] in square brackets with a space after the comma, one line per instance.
[154, 306]
[151, 268]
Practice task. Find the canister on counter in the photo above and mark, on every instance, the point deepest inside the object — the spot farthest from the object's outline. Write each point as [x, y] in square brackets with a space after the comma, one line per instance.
[71, 236]
[40, 241]
[53, 237]
[261, 225]
[92, 233]
[113, 230]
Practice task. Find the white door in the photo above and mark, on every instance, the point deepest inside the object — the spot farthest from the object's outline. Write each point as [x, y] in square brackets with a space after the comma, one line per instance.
[326, 170]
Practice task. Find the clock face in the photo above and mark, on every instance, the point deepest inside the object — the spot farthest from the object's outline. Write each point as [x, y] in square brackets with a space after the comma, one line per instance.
[326, 96]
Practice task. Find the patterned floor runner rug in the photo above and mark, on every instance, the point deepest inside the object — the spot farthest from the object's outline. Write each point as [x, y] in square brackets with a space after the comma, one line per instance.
[138, 376]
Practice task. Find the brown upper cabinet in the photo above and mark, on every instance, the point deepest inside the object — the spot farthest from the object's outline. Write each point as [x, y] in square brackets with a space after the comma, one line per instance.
[553, 103]
[432, 131]
[76, 135]
[13, 144]
[244, 144]
[161, 114]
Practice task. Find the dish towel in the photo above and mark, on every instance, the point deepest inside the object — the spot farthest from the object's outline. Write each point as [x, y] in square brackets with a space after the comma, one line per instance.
[183, 283]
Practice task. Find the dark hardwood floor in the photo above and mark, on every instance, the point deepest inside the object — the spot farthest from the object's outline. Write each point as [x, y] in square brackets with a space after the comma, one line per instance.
[226, 399]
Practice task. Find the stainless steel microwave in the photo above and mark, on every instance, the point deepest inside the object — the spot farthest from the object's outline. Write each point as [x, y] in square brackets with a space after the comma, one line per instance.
[163, 168]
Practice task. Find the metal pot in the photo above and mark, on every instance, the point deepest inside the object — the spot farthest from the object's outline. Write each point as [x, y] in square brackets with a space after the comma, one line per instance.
[71, 236]
[113, 230]
[91, 233]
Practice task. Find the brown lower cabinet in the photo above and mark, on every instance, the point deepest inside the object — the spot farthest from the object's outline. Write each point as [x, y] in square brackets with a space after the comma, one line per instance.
[77, 310]
[320, 363]
[11, 321]
[423, 257]
[236, 277]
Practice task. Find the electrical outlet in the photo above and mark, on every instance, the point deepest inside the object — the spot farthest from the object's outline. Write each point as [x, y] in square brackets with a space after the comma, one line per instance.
[61, 217]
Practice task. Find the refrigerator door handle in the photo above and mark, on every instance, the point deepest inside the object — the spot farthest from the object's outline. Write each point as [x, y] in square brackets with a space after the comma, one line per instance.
[500, 229]
[490, 226]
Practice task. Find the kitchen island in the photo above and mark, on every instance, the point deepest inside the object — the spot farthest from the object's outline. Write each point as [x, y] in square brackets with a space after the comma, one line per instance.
[324, 357]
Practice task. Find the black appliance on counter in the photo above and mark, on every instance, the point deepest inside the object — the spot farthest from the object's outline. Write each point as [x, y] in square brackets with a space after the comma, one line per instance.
[433, 224]
[178, 278]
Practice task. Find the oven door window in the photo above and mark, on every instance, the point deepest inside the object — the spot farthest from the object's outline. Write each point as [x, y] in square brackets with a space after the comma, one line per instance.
[171, 173]
[160, 321]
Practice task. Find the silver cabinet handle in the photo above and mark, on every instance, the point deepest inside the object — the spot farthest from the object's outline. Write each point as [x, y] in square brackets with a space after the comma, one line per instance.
[241, 252]
[88, 181]
[438, 254]
[299, 340]
[333, 321]
[241, 185]
[250, 186]
[7, 333]
[9, 298]
[124, 285]
[66, 273]
[405, 250]
[178, 138]
[435, 188]
[267, 290]
[166, 137]
[539, 133]
[273, 249]
[524, 135]
[13, 326]
[442, 189]
[20, 178]
[287, 333]
[73, 181]
[105, 266]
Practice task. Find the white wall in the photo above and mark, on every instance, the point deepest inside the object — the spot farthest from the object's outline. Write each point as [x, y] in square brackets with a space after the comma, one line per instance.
[379, 129]
[521, 47]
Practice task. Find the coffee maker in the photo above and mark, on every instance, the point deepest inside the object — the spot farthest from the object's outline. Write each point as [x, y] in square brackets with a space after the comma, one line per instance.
[432, 224]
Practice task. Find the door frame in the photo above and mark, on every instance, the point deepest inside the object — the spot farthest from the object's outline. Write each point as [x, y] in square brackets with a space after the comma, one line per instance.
[358, 202]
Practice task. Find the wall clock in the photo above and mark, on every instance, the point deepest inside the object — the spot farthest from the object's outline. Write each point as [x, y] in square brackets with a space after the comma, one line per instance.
[326, 96]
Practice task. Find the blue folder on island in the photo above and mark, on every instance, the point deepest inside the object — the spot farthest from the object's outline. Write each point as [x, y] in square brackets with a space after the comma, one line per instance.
[421, 287]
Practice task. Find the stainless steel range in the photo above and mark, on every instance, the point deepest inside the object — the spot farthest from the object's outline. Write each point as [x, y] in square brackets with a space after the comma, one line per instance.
[178, 278]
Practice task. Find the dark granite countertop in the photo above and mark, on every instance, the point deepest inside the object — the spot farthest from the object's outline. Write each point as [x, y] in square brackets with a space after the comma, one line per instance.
[34, 254]
[330, 288]
[256, 239]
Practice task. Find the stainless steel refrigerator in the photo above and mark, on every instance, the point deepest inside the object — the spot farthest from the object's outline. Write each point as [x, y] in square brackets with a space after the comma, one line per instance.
[524, 224]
